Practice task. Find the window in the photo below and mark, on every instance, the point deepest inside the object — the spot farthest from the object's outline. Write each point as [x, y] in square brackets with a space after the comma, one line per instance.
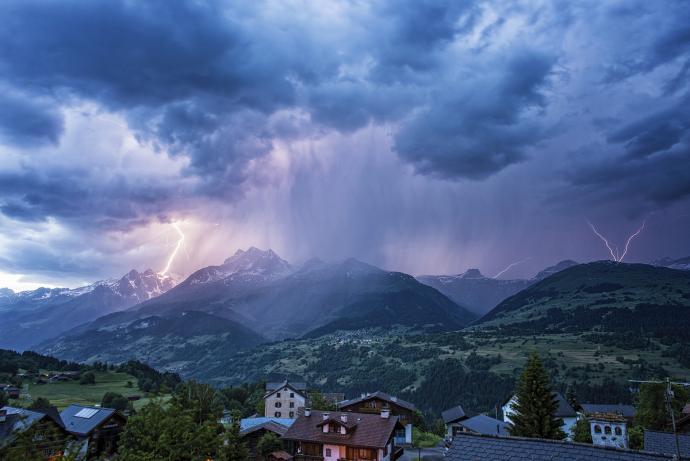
[607, 430]
[597, 429]
[619, 431]
[328, 452]
[371, 404]
[278, 394]
[279, 404]
[292, 404]
[292, 395]
[292, 414]
[277, 414]
[334, 428]
[361, 453]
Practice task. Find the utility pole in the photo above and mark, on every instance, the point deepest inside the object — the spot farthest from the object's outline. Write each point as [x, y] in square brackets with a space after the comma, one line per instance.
[669, 406]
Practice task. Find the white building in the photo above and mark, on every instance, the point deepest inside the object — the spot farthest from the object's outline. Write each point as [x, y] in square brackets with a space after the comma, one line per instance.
[608, 430]
[564, 411]
[282, 400]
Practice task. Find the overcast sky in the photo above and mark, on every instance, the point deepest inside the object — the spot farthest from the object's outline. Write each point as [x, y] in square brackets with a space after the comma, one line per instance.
[421, 136]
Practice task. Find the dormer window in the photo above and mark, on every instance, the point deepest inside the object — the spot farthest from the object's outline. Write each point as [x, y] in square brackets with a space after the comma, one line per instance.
[334, 428]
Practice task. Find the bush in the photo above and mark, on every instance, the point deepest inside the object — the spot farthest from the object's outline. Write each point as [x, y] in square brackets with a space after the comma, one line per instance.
[88, 378]
[424, 439]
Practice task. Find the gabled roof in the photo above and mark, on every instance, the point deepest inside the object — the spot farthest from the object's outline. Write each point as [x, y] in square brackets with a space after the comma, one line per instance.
[564, 410]
[454, 414]
[379, 395]
[470, 447]
[248, 423]
[89, 418]
[665, 443]
[289, 385]
[298, 386]
[370, 431]
[486, 425]
[627, 411]
[18, 420]
[268, 425]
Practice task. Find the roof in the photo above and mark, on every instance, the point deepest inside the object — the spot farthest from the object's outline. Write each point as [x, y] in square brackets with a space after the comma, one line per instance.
[268, 426]
[90, 418]
[627, 411]
[471, 447]
[686, 408]
[451, 415]
[665, 442]
[20, 419]
[368, 431]
[297, 386]
[486, 425]
[247, 423]
[564, 409]
[382, 396]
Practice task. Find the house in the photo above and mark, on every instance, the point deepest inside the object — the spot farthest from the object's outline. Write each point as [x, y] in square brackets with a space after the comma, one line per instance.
[451, 417]
[564, 411]
[333, 436]
[472, 447]
[379, 401]
[626, 411]
[483, 425]
[665, 443]
[253, 429]
[11, 391]
[26, 434]
[608, 429]
[98, 429]
[282, 400]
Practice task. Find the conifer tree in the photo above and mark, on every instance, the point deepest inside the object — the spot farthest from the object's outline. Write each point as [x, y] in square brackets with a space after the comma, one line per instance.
[235, 449]
[535, 410]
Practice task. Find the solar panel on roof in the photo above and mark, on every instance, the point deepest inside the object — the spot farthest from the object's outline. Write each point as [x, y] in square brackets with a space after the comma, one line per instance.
[86, 413]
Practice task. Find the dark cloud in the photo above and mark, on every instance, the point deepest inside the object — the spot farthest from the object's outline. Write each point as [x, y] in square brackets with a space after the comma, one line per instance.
[28, 122]
[477, 127]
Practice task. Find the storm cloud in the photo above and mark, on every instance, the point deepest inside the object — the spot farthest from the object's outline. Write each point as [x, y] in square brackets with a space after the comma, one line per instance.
[421, 135]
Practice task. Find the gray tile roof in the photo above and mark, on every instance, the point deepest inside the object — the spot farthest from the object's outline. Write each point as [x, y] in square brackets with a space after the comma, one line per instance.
[469, 447]
[17, 420]
[665, 442]
[627, 411]
[297, 386]
[379, 395]
[83, 426]
[564, 409]
[453, 414]
[486, 425]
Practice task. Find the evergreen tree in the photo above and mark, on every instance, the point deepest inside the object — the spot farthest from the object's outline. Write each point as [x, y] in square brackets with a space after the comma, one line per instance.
[571, 396]
[652, 411]
[41, 403]
[267, 444]
[234, 449]
[582, 432]
[535, 410]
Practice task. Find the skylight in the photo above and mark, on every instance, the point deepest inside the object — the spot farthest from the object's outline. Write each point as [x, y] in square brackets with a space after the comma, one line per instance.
[86, 413]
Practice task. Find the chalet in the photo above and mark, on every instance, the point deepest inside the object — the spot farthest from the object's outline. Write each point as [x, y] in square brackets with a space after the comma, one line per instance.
[10, 390]
[665, 443]
[466, 447]
[451, 419]
[98, 429]
[564, 411]
[343, 435]
[26, 434]
[283, 400]
[253, 429]
[608, 429]
[380, 401]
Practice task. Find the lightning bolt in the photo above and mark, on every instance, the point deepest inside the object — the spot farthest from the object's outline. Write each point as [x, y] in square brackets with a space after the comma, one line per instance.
[614, 254]
[177, 248]
[510, 266]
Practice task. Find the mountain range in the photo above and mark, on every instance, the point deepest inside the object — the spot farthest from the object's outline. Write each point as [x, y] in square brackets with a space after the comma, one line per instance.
[29, 317]
[481, 294]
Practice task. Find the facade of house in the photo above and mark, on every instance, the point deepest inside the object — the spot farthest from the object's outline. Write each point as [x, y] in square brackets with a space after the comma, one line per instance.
[26, 434]
[343, 435]
[564, 411]
[377, 402]
[608, 429]
[97, 429]
[283, 400]
[451, 419]
[471, 447]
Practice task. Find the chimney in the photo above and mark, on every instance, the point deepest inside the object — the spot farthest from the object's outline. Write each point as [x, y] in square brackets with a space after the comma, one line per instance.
[325, 416]
[307, 412]
[385, 413]
[343, 418]
[363, 395]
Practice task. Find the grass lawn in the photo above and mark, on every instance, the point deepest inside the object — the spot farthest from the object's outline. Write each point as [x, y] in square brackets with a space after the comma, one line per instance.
[62, 394]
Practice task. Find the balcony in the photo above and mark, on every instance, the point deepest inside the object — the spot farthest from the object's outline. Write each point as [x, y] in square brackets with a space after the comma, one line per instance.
[307, 458]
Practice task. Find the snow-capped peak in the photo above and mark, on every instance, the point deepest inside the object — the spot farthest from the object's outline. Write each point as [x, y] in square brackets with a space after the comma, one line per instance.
[254, 264]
